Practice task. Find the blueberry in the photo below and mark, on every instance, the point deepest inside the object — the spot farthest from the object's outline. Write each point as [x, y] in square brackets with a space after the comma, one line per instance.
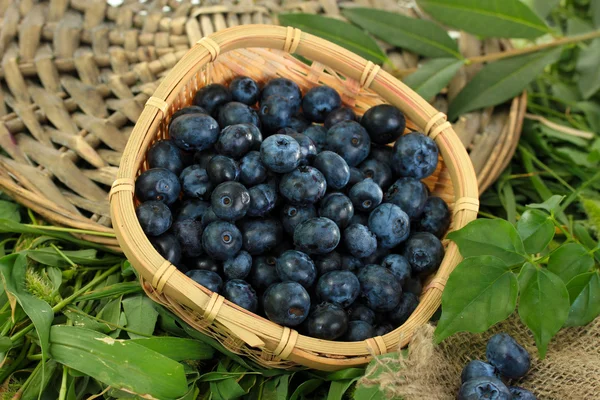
[435, 217]
[252, 170]
[262, 199]
[296, 266]
[154, 217]
[414, 286]
[358, 331]
[194, 131]
[360, 218]
[235, 140]
[399, 266]
[317, 236]
[383, 329]
[409, 194]
[356, 175]
[328, 262]
[230, 201]
[209, 279]
[518, 393]
[338, 208]
[408, 303]
[383, 154]
[339, 287]
[167, 246]
[339, 115]
[334, 168]
[280, 153]
[366, 195]
[241, 293]
[319, 101]
[222, 169]
[202, 158]
[360, 312]
[385, 123]
[204, 263]
[484, 388]
[275, 112]
[351, 263]
[286, 303]
[377, 257]
[350, 140]
[195, 182]
[327, 321]
[390, 224]
[264, 272]
[158, 184]
[285, 88]
[308, 150]
[380, 289]
[188, 110]
[244, 89]
[476, 369]
[360, 241]
[165, 154]
[234, 113]
[415, 156]
[210, 97]
[424, 252]
[192, 209]
[318, 134]
[380, 172]
[261, 236]
[239, 266]
[189, 234]
[303, 186]
[508, 356]
[299, 123]
[208, 217]
[221, 240]
[256, 137]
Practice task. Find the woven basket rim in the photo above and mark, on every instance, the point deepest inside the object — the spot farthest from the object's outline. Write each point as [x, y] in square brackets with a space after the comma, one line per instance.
[161, 277]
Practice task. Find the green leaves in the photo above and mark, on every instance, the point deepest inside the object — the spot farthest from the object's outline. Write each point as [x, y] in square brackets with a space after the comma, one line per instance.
[536, 229]
[500, 81]
[336, 31]
[417, 35]
[491, 237]
[584, 293]
[178, 349]
[543, 304]
[481, 292]
[570, 260]
[141, 315]
[433, 76]
[589, 73]
[488, 18]
[10, 210]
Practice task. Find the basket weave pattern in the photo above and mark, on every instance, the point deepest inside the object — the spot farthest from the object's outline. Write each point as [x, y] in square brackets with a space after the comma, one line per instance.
[263, 52]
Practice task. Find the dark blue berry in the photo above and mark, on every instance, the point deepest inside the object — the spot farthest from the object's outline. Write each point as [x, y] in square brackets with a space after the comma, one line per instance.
[518, 393]
[230, 201]
[360, 218]
[360, 241]
[383, 154]
[212, 96]
[308, 150]
[351, 263]
[292, 215]
[165, 154]
[256, 137]
[252, 170]
[167, 246]
[261, 235]
[192, 209]
[339, 287]
[339, 115]
[413, 285]
[408, 303]
[189, 234]
[238, 267]
[377, 257]
[319, 101]
[245, 90]
[385, 123]
[360, 312]
[476, 369]
[204, 263]
[484, 388]
[275, 112]
[235, 141]
[303, 186]
[380, 172]
[379, 288]
[263, 198]
[334, 168]
[285, 88]
[296, 266]
[327, 321]
[286, 303]
[383, 329]
[366, 195]
[424, 252]
[221, 240]
[317, 236]
[435, 217]
[356, 175]
[318, 134]
[390, 224]
[154, 217]
[202, 158]
[299, 123]
[264, 272]
[209, 279]
[399, 266]
[234, 113]
[415, 156]
[208, 217]
[241, 293]
[195, 182]
[222, 169]
[350, 140]
[338, 208]
[358, 331]
[280, 153]
[508, 356]
[194, 132]
[188, 110]
[157, 184]
[409, 194]
[328, 262]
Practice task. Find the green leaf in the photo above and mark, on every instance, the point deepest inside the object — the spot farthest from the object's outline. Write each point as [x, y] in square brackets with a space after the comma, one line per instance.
[551, 205]
[10, 210]
[488, 18]
[86, 322]
[433, 76]
[5, 344]
[345, 374]
[536, 230]
[116, 290]
[493, 237]
[306, 388]
[88, 257]
[417, 35]
[575, 156]
[587, 67]
[595, 11]
[227, 389]
[591, 110]
[541, 7]
[178, 349]
[141, 315]
[570, 260]
[39, 381]
[368, 393]
[480, 292]
[500, 81]
[584, 294]
[111, 312]
[543, 304]
[338, 32]
[122, 364]
[338, 389]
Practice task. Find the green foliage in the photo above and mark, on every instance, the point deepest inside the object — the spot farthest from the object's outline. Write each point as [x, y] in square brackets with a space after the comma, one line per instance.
[433, 76]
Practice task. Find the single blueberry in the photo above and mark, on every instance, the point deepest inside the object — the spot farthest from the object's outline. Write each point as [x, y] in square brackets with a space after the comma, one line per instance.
[286, 303]
[202, 158]
[209, 279]
[399, 266]
[204, 263]
[187, 110]
[280, 153]
[328, 262]
[476, 369]
[380, 172]
[327, 321]
[360, 312]
[165, 154]
[158, 184]
[263, 198]
[210, 97]
[318, 134]
[424, 252]
[221, 240]
[303, 186]
[383, 329]
[244, 89]
[241, 293]
[338, 208]
[292, 215]
[167, 246]
[415, 156]
[508, 356]
[339, 287]
[195, 182]
[299, 123]
[366, 195]
[379, 288]
[275, 112]
[435, 217]
[252, 170]
[296, 266]
[385, 123]
[208, 217]
[351, 263]
[359, 241]
[286, 88]
[413, 285]
[230, 201]
[339, 115]
[350, 140]
[154, 217]
[383, 154]
[358, 331]
[356, 175]
[409, 194]
[484, 388]
[194, 132]
[256, 137]
[334, 168]
[518, 393]
[377, 257]
[238, 266]
[360, 218]
[192, 209]
[308, 150]
[408, 303]
[222, 169]
[319, 101]
[264, 272]
[189, 234]
[235, 141]
[390, 224]
[317, 236]
[261, 235]
[234, 113]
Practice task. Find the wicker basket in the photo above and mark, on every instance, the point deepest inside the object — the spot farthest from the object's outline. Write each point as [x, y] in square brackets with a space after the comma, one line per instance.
[219, 58]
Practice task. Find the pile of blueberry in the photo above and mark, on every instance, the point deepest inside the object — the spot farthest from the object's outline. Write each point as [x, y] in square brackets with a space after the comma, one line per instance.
[291, 208]
[506, 359]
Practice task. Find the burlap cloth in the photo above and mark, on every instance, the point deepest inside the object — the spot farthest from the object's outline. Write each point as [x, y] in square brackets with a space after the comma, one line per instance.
[570, 370]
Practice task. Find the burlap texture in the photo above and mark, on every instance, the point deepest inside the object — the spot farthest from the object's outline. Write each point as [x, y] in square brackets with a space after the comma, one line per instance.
[571, 369]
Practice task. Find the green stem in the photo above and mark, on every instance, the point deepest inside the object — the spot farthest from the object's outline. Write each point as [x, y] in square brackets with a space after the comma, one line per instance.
[63, 255]
[573, 196]
[5, 328]
[32, 217]
[487, 215]
[62, 395]
[549, 170]
[16, 364]
[29, 379]
[70, 230]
